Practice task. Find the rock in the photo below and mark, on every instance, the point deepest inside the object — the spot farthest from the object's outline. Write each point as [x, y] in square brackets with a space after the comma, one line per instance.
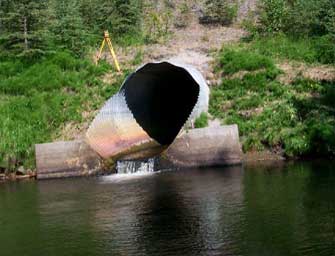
[20, 171]
[210, 146]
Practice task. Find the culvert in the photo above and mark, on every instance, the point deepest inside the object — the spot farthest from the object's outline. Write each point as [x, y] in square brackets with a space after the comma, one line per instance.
[149, 111]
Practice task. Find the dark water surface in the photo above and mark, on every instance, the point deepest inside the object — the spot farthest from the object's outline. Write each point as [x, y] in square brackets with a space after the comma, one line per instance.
[259, 210]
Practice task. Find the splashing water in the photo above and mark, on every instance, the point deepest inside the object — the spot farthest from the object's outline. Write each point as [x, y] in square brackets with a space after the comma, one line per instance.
[129, 167]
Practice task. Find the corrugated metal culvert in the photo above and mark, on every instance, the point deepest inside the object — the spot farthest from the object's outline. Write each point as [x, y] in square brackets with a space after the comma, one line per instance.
[149, 111]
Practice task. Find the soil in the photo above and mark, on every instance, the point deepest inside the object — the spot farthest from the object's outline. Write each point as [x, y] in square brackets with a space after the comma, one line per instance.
[293, 70]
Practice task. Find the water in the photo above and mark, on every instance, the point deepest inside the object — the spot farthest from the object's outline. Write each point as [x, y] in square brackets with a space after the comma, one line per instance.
[139, 167]
[259, 210]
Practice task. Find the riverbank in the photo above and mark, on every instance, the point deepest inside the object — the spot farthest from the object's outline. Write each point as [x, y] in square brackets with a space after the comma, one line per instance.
[289, 114]
[274, 87]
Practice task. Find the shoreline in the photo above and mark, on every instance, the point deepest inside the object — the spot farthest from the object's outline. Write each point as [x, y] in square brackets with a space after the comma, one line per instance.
[249, 159]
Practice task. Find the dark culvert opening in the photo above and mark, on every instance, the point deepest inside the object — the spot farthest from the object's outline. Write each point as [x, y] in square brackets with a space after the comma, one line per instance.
[161, 97]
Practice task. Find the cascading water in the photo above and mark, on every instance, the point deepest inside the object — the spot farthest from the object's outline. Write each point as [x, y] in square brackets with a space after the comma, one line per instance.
[138, 166]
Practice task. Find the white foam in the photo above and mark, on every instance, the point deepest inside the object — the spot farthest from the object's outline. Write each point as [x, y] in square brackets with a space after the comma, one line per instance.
[116, 178]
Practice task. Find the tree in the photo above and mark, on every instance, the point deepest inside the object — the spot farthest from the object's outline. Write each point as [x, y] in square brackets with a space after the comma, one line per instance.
[23, 25]
[121, 17]
[69, 31]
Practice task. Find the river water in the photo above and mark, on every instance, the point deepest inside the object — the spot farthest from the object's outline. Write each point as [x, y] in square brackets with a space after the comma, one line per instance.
[253, 210]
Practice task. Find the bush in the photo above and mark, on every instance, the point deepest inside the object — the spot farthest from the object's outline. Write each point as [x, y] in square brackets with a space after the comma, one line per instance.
[273, 16]
[221, 12]
[232, 61]
[308, 20]
[325, 49]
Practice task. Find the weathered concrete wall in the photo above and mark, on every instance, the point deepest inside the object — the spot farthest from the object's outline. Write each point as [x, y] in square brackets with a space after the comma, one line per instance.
[66, 159]
[211, 146]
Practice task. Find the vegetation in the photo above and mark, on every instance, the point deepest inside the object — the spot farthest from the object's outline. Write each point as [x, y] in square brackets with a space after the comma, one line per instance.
[201, 121]
[296, 118]
[38, 100]
[221, 12]
[46, 79]
[34, 28]
[310, 22]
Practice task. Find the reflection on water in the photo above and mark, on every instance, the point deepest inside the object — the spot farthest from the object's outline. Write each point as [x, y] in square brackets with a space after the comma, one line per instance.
[260, 210]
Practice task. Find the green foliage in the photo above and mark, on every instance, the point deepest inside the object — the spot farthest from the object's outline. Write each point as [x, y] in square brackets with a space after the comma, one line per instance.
[138, 58]
[298, 17]
[273, 16]
[23, 27]
[325, 49]
[299, 118]
[232, 61]
[201, 121]
[34, 28]
[36, 100]
[284, 47]
[308, 21]
[219, 12]
[69, 32]
[124, 17]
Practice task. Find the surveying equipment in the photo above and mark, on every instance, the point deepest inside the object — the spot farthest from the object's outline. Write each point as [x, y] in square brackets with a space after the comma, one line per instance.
[110, 46]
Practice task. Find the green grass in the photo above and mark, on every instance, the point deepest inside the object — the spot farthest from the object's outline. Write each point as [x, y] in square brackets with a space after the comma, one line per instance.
[201, 121]
[309, 50]
[38, 99]
[232, 61]
[283, 47]
[298, 118]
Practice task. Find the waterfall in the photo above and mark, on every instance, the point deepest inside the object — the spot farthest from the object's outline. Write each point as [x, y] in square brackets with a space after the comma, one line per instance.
[136, 166]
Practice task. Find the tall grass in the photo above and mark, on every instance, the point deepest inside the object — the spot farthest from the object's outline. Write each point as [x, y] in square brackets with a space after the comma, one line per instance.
[37, 99]
[283, 47]
[297, 118]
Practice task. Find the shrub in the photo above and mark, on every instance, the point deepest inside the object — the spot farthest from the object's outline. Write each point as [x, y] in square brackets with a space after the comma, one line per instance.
[201, 121]
[232, 61]
[273, 16]
[325, 49]
[219, 12]
[305, 20]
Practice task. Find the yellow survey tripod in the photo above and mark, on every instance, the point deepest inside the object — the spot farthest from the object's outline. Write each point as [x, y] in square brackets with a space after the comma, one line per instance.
[110, 46]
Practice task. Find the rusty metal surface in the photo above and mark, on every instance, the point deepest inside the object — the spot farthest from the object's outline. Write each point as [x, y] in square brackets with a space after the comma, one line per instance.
[115, 133]
[115, 130]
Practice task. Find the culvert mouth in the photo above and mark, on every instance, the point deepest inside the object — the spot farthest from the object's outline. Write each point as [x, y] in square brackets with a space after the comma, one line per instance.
[161, 97]
[148, 112]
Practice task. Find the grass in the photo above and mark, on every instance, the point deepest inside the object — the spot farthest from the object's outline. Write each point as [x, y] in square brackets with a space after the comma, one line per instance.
[283, 47]
[232, 61]
[201, 121]
[296, 118]
[309, 50]
[38, 99]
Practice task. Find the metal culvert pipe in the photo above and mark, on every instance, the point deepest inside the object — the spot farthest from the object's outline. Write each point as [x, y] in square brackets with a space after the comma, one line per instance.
[149, 111]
